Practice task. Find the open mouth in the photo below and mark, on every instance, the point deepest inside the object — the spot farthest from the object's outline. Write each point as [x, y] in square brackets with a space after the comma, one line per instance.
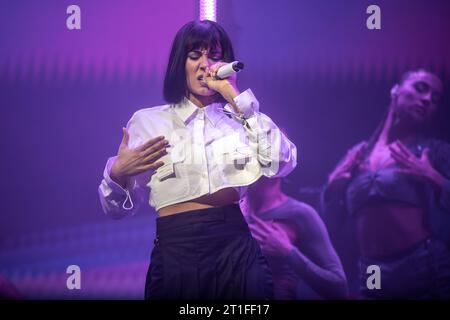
[202, 81]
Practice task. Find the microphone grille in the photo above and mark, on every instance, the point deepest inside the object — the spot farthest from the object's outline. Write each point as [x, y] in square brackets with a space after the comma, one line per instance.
[238, 66]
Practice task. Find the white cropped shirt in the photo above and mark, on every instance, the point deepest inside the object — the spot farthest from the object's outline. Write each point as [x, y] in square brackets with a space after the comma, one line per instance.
[211, 148]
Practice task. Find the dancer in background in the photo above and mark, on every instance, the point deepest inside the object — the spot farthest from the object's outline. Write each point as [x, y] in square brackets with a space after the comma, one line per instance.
[296, 243]
[395, 189]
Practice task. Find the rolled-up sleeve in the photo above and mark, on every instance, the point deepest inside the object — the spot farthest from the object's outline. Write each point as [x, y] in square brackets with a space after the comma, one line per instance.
[277, 155]
[115, 200]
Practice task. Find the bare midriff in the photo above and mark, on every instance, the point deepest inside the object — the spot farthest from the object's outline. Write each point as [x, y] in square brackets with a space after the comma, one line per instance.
[220, 198]
[388, 228]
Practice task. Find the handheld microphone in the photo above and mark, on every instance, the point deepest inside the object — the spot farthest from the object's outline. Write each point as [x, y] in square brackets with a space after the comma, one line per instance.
[228, 69]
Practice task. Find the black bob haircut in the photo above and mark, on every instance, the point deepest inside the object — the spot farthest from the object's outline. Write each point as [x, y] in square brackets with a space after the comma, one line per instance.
[193, 35]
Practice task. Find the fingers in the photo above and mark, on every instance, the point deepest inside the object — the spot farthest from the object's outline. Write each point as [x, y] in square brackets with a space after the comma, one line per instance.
[426, 154]
[345, 175]
[350, 159]
[341, 173]
[157, 147]
[258, 236]
[358, 154]
[404, 150]
[279, 232]
[153, 166]
[277, 228]
[214, 68]
[355, 155]
[361, 148]
[401, 147]
[263, 225]
[149, 143]
[210, 73]
[152, 157]
[344, 172]
[399, 157]
[257, 233]
[401, 154]
[125, 137]
[267, 229]
[210, 79]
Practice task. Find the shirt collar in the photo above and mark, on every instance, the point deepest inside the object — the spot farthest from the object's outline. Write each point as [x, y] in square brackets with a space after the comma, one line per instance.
[186, 110]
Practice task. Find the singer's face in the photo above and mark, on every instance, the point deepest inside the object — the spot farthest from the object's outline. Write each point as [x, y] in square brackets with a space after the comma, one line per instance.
[418, 97]
[196, 63]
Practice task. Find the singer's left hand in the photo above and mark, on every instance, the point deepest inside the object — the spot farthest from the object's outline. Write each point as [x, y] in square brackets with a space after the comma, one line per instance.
[226, 87]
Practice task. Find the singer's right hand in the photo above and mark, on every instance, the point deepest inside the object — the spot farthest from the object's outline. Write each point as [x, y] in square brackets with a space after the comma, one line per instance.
[226, 87]
[216, 84]
[132, 161]
[345, 168]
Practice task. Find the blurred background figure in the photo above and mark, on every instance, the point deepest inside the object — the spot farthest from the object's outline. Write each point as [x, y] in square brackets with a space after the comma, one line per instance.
[391, 194]
[295, 242]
